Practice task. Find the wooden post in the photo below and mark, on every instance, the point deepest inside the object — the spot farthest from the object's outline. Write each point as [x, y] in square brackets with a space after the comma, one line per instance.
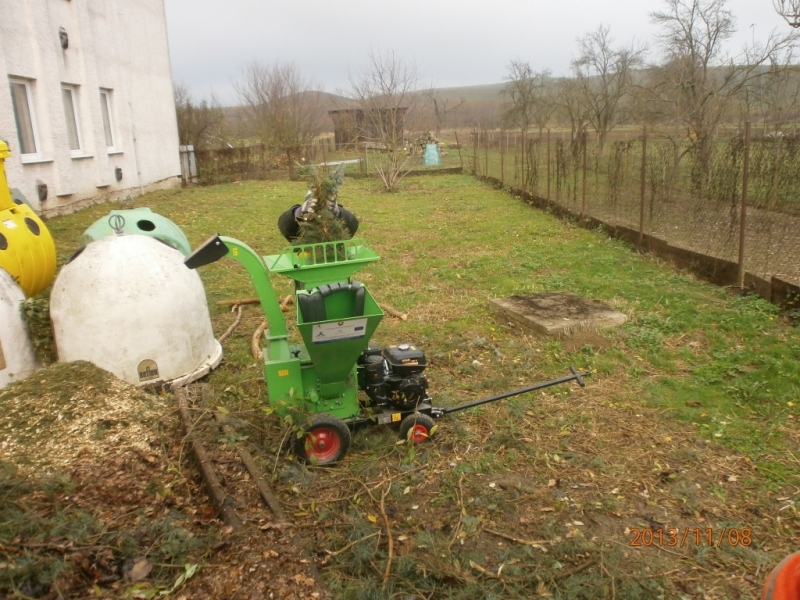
[548, 163]
[486, 151]
[743, 218]
[476, 141]
[642, 187]
[502, 157]
[583, 192]
[460, 157]
[523, 154]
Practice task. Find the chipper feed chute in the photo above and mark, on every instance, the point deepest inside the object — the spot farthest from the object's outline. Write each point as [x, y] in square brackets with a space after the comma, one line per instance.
[335, 317]
[336, 322]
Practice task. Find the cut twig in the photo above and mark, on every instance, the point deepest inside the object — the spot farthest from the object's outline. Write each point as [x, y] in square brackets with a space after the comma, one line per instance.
[285, 303]
[238, 301]
[534, 543]
[351, 544]
[395, 313]
[233, 326]
[390, 540]
[222, 501]
[457, 528]
[247, 460]
[256, 346]
[578, 569]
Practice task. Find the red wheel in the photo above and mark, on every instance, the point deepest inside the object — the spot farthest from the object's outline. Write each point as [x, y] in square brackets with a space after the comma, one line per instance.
[417, 427]
[327, 440]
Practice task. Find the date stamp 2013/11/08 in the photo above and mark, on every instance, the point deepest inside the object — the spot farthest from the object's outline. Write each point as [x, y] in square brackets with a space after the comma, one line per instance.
[673, 537]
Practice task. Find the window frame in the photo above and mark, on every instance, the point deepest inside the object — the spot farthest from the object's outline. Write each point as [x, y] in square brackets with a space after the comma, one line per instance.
[107, 113]
[34, 125]
[80, 151]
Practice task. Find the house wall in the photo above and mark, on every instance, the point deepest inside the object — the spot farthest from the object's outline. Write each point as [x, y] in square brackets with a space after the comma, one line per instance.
[119, 45]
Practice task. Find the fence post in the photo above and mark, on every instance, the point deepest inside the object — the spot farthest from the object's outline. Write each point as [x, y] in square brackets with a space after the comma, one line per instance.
[460, 157]
[502, 157]
[476, 141]
[548, 163]
[643, 187]
[583, 192]
[743, 219]
[486, 152]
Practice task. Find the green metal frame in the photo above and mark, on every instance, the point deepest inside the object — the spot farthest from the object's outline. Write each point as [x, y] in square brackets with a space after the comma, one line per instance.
[321, 374]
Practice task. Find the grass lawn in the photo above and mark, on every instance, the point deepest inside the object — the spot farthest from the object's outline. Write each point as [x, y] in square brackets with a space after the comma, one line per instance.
[688, 425]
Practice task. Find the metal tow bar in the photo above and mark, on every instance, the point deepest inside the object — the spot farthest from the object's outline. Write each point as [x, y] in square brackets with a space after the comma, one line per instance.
[438, 412]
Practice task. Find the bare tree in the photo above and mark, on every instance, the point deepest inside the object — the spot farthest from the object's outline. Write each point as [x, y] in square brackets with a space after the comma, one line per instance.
[789, 10]
[778, 92]
[604, 75]
[441, 107]
[386, 94]
[571, 106]
[284, 110]
[530, 101]
[692, 91]
[199, 124]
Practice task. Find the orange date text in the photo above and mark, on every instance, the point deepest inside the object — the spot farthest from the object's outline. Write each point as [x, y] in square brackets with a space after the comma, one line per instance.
[672, 537]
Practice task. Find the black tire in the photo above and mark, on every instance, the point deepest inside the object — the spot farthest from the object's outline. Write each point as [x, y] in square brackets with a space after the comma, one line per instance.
[417, 427]
[327, 441]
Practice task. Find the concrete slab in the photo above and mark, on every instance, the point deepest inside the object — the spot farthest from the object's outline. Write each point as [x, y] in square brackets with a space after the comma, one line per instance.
[556, 314]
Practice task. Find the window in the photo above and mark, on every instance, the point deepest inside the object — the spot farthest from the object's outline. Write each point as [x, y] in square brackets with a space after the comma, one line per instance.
[25, 119]
[69, 95]
[108, 123]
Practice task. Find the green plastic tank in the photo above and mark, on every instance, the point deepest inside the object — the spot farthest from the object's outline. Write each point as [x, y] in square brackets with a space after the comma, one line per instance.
[142, 221]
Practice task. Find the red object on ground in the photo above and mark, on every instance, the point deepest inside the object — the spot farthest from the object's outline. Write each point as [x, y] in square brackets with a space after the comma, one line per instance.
[783, 582]
[325, 443]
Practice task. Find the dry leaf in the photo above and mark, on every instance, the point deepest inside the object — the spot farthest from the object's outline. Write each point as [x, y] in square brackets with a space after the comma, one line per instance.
[140, 570]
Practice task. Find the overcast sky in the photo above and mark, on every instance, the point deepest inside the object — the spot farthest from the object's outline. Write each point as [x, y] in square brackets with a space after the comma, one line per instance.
[452, 42]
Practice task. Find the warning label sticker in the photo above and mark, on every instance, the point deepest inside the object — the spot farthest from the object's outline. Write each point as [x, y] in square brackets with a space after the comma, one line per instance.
[343, 330]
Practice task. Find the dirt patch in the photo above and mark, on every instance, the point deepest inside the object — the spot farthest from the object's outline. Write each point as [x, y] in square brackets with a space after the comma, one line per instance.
[583, 339]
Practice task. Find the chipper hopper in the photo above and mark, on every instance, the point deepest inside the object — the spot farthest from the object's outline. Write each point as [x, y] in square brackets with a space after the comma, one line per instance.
[336, 317]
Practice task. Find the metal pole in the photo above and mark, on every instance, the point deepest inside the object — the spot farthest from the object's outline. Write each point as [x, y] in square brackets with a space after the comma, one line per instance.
[486, 151]
[574, 377]
[476, 139]
[548, 163]
[458, 145]
[583, 193]
[743, 218]
[502, 157]
[643, 187]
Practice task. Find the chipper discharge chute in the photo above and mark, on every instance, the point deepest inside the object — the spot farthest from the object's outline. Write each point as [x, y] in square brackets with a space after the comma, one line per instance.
[336, 317]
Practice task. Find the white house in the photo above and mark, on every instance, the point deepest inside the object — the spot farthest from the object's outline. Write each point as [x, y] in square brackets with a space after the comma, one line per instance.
[88, 108]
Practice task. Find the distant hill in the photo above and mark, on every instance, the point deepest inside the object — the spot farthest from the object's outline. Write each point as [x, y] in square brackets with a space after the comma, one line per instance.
[470, 93]
[482, 103]
[473, 93]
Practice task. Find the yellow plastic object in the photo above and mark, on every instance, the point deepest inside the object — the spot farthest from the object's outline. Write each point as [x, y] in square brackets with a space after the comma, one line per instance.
[5, 193]
[27, 251]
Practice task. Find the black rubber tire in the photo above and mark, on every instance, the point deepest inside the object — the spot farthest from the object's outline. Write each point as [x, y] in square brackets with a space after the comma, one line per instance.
[417, 427]
[327, 440]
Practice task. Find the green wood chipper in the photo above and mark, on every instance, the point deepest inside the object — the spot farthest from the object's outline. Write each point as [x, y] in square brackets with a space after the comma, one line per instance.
[324, 375]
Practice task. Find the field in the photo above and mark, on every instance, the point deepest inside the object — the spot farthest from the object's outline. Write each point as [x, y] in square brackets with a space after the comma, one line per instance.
[673, 474]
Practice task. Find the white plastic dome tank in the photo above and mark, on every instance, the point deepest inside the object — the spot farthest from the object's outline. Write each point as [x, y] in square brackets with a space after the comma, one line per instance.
[17, 359]
[128, 304]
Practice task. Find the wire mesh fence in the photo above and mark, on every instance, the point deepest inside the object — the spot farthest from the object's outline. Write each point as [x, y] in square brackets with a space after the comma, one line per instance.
[224, 165]
[736, 201]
